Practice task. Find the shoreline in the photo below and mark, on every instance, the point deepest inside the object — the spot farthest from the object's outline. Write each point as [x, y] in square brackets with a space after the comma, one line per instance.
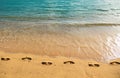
[69, 23]
[100, 43]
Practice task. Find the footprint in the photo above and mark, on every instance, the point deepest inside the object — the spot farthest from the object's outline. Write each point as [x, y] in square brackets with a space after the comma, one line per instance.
[5, 59]
[114, 63]
[27, 58]
[97, 65]
[46, 63]
[69, 62]
[93, 65]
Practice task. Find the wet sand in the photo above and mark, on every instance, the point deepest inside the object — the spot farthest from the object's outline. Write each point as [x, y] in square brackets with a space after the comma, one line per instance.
[19, 68]
[99, 42]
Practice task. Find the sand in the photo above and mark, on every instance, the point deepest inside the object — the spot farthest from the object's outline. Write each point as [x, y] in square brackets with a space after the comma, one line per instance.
[17, 68]
[99, 42]
[82, 45]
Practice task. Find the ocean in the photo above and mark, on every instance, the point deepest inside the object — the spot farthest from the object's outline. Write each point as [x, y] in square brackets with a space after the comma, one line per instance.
[85, 29]
[80, 11]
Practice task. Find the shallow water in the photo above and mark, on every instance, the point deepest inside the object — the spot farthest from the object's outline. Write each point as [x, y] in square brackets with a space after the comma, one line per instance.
[87, 29]
[85, 41]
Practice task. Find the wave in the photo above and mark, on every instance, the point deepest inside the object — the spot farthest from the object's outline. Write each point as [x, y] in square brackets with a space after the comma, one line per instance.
[102, 10]
[57, 23]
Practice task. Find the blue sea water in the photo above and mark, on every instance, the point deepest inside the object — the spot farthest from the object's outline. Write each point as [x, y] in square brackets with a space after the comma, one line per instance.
[91, 11]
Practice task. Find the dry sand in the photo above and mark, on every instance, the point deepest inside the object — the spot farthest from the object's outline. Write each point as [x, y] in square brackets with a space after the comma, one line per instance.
[17, 68]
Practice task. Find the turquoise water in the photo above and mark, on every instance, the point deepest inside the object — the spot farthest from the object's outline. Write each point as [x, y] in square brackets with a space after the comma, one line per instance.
[95, 11]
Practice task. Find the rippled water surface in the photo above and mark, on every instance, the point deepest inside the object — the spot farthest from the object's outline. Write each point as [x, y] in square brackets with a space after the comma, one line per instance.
[61, 10]
[87, 29]
[85, 41]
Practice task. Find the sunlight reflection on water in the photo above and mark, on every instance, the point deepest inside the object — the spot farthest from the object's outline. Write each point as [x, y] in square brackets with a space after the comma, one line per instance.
[113, 47]
[100, 43]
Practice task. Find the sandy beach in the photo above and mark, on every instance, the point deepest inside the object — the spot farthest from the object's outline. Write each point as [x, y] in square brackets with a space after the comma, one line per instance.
[15, 67]
[37, 50]
[99, 42]
[59, 39]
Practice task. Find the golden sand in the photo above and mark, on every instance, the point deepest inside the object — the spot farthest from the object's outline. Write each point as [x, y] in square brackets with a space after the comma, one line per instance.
[17, 68]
